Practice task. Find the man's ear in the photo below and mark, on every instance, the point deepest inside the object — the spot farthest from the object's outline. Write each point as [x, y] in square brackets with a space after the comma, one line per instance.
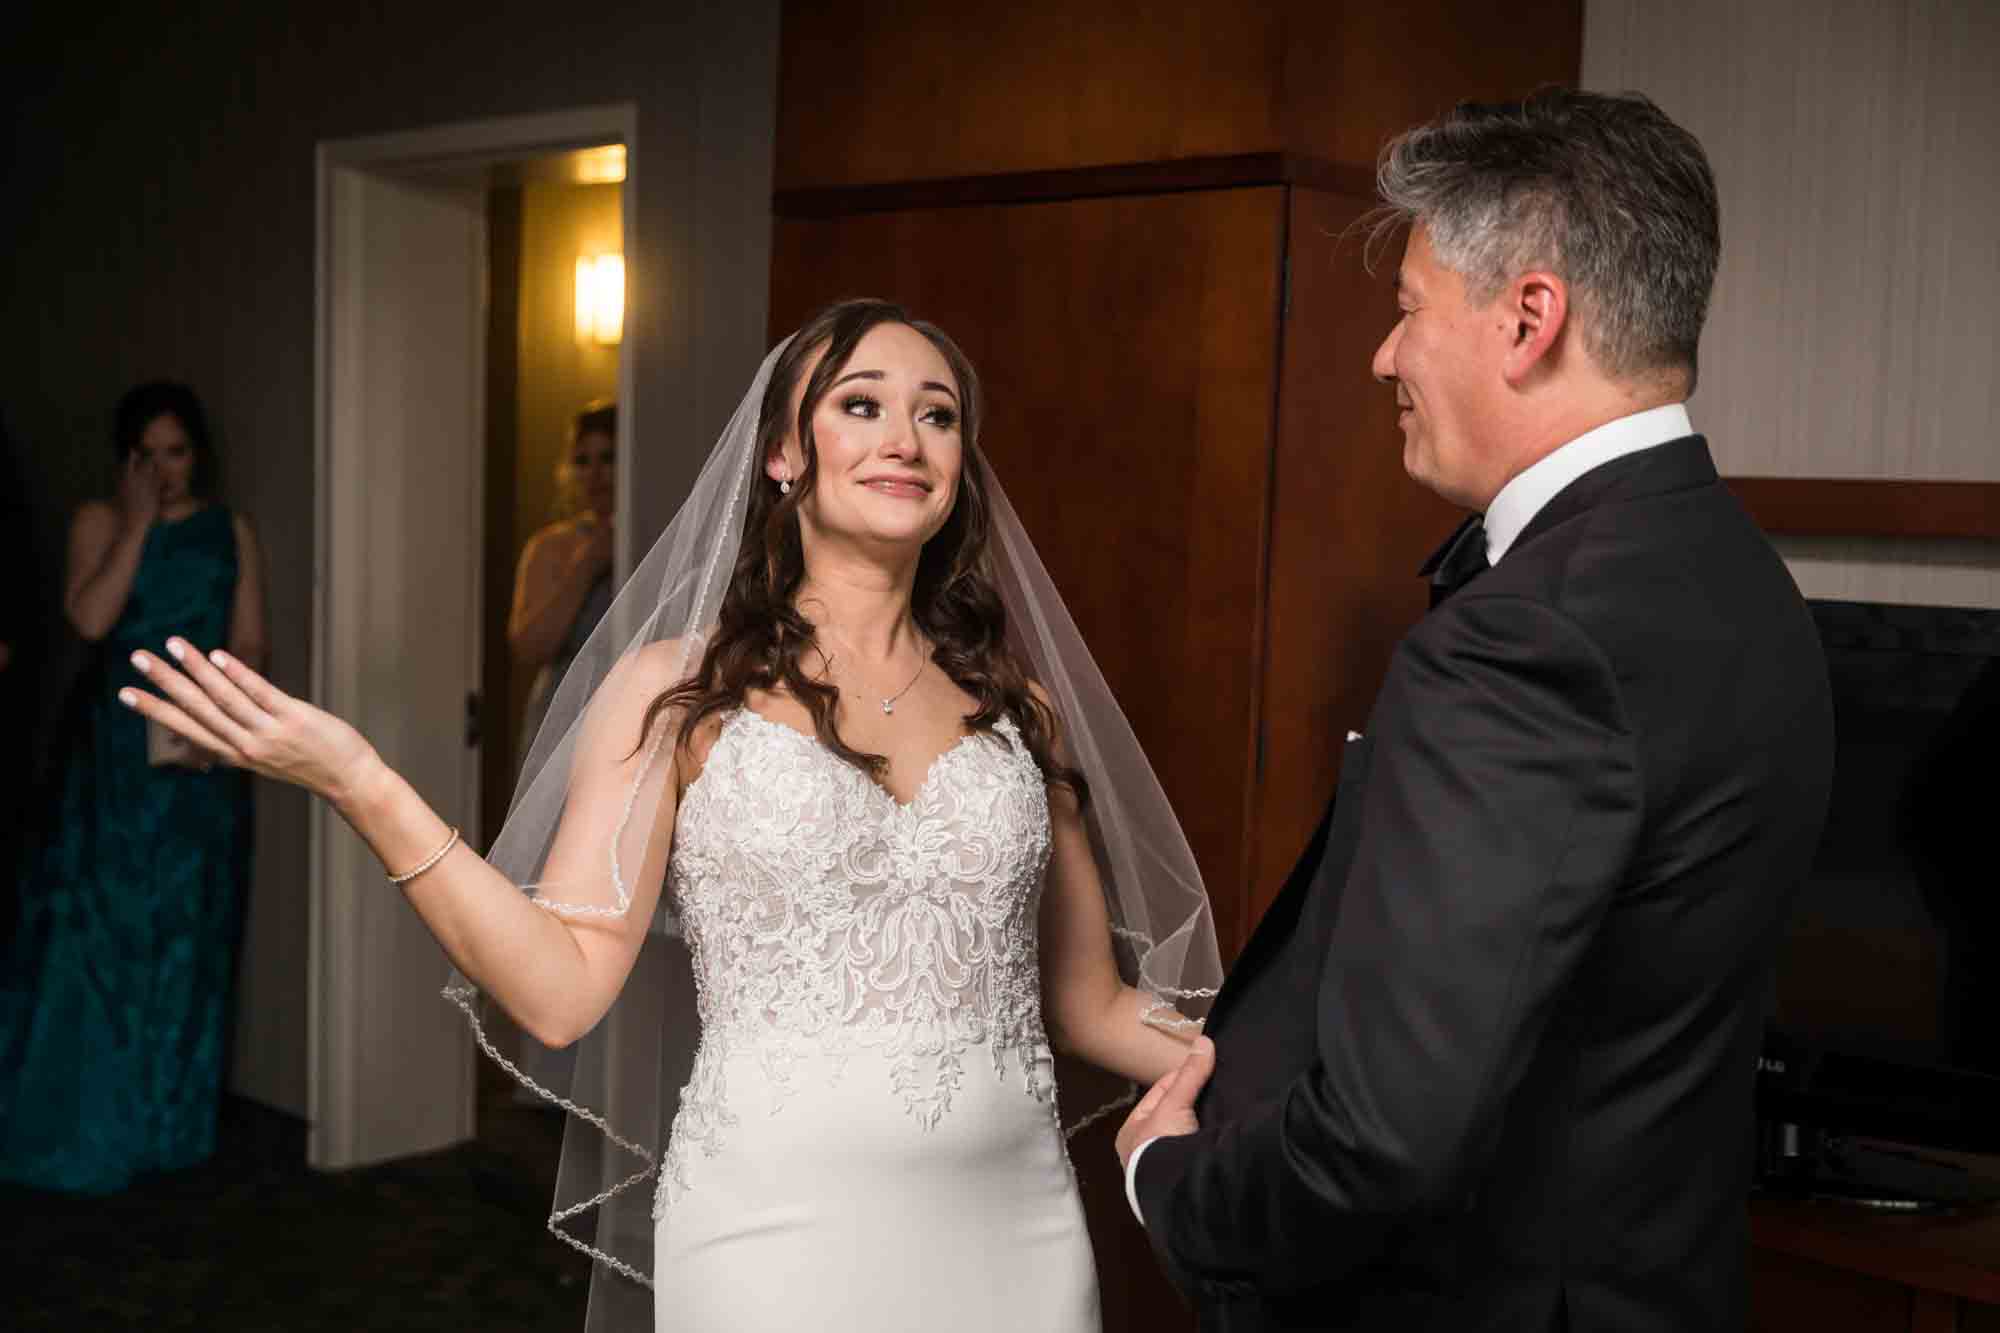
[1536, 305]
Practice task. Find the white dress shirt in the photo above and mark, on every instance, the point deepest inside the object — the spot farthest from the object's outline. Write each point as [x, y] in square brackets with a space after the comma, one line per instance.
[1508, 517]
[1522, 498]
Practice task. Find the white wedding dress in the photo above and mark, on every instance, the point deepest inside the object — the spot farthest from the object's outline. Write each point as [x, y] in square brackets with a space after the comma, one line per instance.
[869, 1140]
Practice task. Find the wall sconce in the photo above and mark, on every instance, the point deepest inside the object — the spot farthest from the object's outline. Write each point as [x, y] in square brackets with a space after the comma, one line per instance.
[600, 299]
[600, 166]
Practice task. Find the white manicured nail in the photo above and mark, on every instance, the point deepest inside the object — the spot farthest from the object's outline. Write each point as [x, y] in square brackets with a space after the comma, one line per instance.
[220, 658]
[130, 698]
[139, 663]
[177, 648]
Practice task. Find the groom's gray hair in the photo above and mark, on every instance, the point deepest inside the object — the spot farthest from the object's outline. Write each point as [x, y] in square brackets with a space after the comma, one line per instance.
[1604, 191]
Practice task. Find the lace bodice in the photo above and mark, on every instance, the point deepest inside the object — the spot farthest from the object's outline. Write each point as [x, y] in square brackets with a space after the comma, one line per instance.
[825, 916]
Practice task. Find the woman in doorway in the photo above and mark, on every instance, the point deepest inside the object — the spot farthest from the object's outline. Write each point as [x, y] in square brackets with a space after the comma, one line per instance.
[849, 730]
[115, 1012]
[563, 583]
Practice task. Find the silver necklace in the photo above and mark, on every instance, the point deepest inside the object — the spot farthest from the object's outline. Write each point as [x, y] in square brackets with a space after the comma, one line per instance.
[889, 704]
[888, 701]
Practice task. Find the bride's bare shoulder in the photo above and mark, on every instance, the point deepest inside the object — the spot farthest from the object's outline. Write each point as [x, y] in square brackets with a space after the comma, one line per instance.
[647, 673]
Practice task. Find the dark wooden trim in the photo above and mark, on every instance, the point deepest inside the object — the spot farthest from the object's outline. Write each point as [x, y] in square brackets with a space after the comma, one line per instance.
[1036, 187]
[1894, 1249]
[1802, 507]
[1317, 173]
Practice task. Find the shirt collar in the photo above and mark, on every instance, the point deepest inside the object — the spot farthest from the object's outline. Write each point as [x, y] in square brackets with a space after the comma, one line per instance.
[1522, 498]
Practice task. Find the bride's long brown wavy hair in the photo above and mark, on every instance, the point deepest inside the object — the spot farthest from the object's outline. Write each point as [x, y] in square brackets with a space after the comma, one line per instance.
[761, 639]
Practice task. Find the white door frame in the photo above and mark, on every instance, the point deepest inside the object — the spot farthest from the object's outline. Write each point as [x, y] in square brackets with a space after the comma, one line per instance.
[335, 856]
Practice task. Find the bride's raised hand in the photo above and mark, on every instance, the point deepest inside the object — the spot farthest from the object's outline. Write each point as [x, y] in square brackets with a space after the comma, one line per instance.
[226, 708]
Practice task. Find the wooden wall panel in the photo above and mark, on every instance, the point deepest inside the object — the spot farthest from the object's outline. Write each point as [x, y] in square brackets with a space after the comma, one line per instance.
[1129, 353]
[919, 90]
[1354, 74]
[915, 89]
[1348, 531]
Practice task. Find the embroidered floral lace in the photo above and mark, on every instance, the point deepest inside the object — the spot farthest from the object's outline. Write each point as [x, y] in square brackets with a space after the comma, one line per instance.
[825, 916]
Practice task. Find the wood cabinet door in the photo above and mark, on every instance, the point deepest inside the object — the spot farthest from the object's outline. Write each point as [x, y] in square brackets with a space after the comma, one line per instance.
[1128, 347]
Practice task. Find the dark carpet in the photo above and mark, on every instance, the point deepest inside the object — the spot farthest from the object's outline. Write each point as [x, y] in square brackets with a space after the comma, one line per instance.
[254, 1239]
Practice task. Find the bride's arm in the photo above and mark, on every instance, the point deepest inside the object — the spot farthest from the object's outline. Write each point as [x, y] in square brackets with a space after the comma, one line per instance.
[1089, 1010]
[554, 975]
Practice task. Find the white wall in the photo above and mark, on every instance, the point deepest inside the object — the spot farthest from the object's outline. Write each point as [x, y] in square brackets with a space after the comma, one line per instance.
[1856, 324]
[160, 222]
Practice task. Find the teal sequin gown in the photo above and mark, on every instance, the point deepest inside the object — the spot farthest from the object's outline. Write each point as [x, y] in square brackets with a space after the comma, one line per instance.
[115, 1002]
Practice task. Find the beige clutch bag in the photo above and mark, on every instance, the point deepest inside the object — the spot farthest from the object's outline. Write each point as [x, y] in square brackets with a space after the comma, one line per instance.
[167, 748]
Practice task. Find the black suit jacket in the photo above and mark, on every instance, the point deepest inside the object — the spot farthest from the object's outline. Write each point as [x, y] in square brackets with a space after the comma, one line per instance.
[1487, 1062]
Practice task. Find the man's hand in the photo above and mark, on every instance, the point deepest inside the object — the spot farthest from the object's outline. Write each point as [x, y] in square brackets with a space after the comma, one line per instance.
[1167, 1109]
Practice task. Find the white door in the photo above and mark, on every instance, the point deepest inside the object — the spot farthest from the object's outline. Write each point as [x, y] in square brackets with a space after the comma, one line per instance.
[402, 367]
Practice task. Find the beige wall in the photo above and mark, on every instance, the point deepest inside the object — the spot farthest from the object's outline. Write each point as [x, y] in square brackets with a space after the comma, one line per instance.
[160, 221]
[1856, 324]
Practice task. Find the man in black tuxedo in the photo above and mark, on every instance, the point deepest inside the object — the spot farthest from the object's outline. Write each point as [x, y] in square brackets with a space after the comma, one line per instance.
[1487, 1061]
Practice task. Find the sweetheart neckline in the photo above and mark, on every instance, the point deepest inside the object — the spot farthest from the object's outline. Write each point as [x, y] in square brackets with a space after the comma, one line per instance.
[931, 774]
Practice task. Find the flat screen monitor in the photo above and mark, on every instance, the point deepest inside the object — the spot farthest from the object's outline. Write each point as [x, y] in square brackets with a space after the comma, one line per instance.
[1886, 1013]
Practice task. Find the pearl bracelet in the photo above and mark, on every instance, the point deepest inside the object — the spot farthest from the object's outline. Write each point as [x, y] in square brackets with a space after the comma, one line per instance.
[428, 861]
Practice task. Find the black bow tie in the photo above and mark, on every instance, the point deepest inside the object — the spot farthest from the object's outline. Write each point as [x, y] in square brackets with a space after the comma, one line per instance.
[1459, 561]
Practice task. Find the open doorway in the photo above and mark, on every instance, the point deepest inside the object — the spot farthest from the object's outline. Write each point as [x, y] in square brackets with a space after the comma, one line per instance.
[453, 352]
[554, 329]
[555, 323]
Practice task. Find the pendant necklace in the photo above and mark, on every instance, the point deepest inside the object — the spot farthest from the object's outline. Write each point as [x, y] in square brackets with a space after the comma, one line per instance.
[889, 704]
[888, 701]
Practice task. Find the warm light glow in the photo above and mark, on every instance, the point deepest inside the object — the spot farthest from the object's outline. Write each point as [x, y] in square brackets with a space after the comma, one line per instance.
[600, 298]
[601, 166]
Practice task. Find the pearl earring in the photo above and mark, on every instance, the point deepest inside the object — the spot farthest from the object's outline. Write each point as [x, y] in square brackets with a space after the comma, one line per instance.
[785, 486]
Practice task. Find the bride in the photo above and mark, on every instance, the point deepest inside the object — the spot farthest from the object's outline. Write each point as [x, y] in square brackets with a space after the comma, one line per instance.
[907, 840]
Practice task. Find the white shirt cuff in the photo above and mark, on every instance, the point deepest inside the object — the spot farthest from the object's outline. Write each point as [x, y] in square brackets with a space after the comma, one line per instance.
[1132, 1177]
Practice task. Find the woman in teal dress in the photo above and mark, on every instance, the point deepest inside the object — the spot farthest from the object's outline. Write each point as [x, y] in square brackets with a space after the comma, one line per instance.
[116, 996]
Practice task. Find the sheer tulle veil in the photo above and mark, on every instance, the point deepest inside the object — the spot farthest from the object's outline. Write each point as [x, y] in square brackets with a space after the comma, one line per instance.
[620, 1083]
